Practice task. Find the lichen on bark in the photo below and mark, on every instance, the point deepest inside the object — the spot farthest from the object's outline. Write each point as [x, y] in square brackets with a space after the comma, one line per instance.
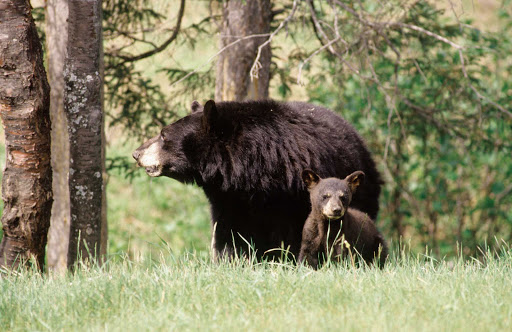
[83, 103]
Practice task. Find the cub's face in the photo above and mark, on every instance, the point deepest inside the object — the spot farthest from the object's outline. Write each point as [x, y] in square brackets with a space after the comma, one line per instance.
[331, 196]
[169, 153]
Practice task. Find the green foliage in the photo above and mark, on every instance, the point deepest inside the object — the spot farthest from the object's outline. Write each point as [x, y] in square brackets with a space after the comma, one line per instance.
[170, 292]
[137, 102]
[439, 128]
[437, 125]
[430, 94]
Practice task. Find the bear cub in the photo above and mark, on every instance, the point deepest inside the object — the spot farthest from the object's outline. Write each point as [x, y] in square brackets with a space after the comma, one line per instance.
[322, 236]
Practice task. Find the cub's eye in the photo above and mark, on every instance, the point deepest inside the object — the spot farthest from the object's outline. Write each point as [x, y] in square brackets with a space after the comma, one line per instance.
[326, 196]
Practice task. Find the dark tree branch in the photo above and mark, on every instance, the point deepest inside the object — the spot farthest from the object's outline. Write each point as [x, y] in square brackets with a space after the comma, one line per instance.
[162, 47]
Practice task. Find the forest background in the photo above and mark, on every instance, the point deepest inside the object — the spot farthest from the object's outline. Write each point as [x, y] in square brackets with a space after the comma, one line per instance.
[434, 108]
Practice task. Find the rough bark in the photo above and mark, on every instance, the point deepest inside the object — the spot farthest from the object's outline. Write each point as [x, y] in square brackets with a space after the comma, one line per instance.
[241, 19]
[56, 41]
[24, 108]
[83, 104]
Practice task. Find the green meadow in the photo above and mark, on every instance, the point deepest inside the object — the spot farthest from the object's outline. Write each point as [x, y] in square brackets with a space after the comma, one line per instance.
[168, 292]
[159, 276]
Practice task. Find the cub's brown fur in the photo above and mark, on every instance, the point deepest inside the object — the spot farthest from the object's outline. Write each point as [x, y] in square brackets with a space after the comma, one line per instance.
[322, 236]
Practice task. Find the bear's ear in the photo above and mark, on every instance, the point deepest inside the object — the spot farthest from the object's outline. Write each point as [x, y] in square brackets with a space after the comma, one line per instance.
[310, 178]
[210, 115]
[195, 107]
[354, 180]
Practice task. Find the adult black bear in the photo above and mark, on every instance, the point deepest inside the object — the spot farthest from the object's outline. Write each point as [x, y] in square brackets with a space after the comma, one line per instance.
[248, 158]
[332, 221]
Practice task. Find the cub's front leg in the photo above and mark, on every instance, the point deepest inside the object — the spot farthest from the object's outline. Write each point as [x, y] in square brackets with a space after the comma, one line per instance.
[313, 243]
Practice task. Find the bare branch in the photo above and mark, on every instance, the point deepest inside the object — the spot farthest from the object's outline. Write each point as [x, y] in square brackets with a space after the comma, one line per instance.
[321, 35]
[210, 59]
[426, 32]
[329, 44]
[257, 65]
[162, 47]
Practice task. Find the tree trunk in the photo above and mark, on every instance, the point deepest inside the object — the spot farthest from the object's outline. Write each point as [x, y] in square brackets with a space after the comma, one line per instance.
[24, 108]
[460, 201]
[432, 231]
[241, 19]
[56, 41]
[396, 196]
[83, 103]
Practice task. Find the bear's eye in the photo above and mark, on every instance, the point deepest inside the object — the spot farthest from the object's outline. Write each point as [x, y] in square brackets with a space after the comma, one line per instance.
[326, 196]
[162, 135]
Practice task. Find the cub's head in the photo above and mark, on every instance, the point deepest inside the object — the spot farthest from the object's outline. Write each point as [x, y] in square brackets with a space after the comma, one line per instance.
[174, 151]
[331, 196]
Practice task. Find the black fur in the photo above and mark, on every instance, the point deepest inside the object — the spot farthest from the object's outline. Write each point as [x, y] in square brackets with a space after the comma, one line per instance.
[248, 157]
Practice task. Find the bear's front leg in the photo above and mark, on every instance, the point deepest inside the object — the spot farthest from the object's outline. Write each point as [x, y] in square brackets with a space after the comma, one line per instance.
[222, 245]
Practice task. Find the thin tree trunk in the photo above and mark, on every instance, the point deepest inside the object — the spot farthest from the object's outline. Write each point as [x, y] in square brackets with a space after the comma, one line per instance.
[56, 41]
[459, 208]
[241, 19]
[396, 200]
[24, 108]
[432, 230]
[84, 109]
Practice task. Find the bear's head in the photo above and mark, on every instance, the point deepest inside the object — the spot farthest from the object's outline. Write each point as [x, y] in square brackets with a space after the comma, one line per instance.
[331, 197]
[174, 152]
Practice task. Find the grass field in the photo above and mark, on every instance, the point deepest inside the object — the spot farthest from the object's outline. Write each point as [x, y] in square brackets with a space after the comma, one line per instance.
[152, 281]
[188, 292]
[159, 277]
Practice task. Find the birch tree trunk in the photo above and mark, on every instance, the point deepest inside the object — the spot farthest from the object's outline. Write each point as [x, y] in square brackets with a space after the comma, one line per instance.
[83, 103]
[241, 19]
[56, 41]
[24, 108]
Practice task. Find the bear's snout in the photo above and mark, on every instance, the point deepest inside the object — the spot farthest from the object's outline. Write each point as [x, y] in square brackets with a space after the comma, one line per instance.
[148, 156]
[334, 209]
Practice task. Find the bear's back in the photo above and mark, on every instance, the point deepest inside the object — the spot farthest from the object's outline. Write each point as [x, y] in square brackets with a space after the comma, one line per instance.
[267, 144]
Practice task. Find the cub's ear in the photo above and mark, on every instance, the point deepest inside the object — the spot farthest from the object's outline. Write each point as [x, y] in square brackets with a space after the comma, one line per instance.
[195, 107]
[210, 115]
[354, 180]
[310, 178]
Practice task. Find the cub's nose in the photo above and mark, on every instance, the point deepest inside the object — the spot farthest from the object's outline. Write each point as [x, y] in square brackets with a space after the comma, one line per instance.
[136, 154]
[336, 211]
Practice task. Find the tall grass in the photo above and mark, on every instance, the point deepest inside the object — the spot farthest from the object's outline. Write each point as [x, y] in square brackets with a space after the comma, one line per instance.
[155, 284]
[188, 292]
